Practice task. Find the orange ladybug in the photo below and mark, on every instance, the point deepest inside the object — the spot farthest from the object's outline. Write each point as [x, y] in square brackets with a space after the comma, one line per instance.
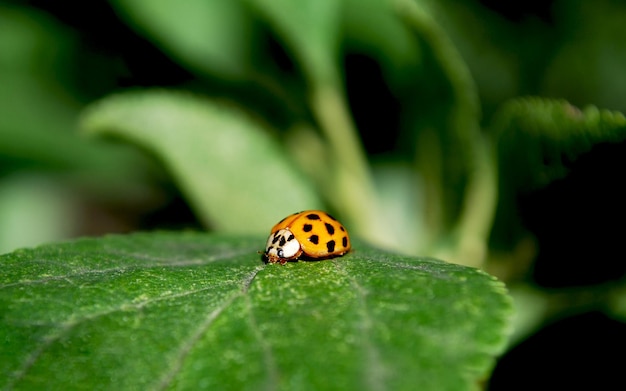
[312, 233]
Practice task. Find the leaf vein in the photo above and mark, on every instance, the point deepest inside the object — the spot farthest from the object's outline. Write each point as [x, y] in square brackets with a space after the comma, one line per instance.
[375, 370]
[121, 269]
[268, 357]
[65, 327]
[188, 345]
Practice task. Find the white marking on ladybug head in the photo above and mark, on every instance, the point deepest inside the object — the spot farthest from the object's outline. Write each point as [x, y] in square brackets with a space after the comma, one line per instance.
[282, 244]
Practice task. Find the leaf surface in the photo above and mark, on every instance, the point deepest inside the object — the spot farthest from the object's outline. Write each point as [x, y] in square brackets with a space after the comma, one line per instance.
[196, 311]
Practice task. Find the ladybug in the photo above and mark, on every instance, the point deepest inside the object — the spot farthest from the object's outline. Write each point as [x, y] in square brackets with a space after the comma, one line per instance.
[312, 233]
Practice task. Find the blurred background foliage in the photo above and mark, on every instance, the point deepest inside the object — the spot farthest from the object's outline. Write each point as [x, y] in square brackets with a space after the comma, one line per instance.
[447, 128]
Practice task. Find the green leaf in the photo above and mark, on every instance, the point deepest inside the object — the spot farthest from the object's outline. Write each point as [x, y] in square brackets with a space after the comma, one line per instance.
[537, 138]
[210, 36]
[399, 197]
[596, 29]
[232, 172]
[311, 31]
[485, 38]
[196, 311]
[38, 114]
[391, 44]
[34, 210]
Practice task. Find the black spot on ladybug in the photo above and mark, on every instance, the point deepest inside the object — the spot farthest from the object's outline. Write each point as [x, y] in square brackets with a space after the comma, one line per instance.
[282, 241]
[314, 239]
[342, 229]
[307, 227]
[290, 238]
[344, 241]
[331, 217]
[329, 228]
[313, 216]
[275, 239]
[330, 246]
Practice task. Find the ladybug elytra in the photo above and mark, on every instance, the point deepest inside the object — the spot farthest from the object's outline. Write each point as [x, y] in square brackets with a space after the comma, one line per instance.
[311, 233]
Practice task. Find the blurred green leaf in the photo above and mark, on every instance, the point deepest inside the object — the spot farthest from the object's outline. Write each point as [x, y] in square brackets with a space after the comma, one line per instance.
[211, 36]
[399, 196]
[485, 39]
[531, 310]
[46, 142]
[374, 28]
[33, 43]
[311, 31]
[197, 311]
[589, 64]
[38, 112]
[34, 210]
[230, 169]
[537, 138]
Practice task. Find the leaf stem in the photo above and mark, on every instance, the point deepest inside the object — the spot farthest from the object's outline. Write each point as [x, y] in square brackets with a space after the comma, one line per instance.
[353, 187]
[472, 223]
[479, 207]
